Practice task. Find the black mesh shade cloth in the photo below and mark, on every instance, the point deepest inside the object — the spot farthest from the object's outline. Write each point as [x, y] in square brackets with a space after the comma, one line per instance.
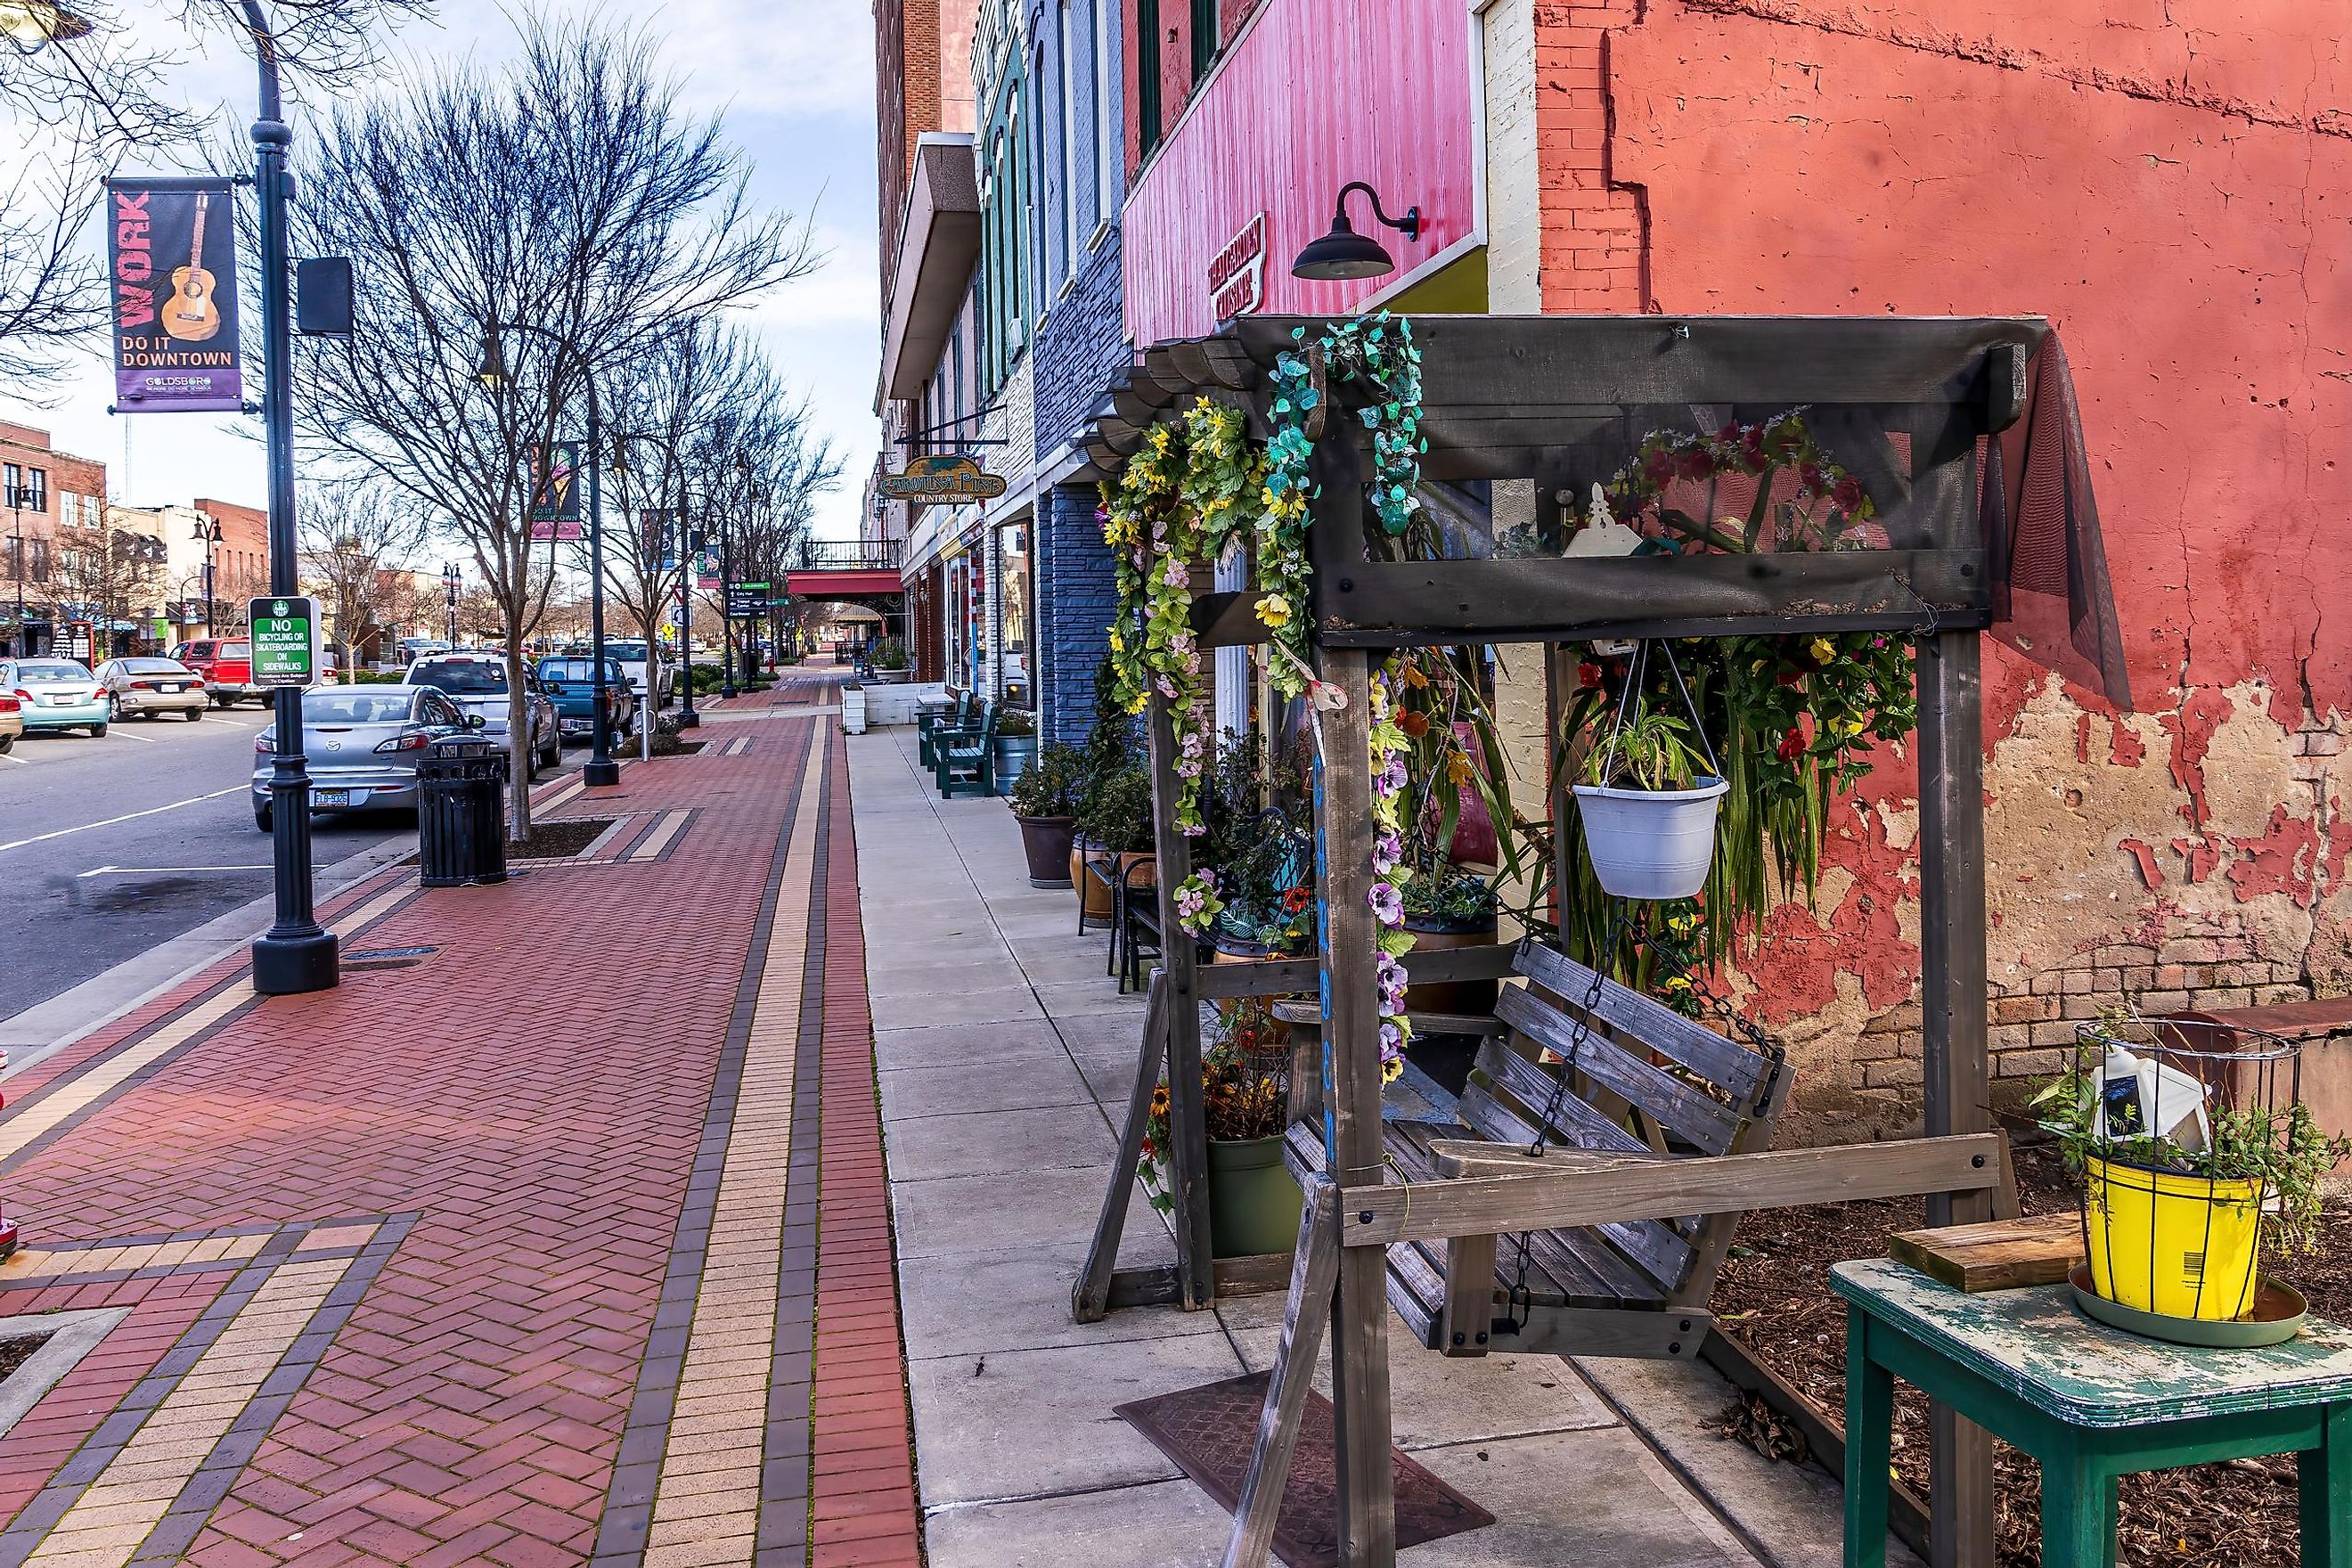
[2053, 601]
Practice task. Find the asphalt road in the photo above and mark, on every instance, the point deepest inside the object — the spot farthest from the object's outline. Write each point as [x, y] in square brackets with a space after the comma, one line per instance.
[109, 847]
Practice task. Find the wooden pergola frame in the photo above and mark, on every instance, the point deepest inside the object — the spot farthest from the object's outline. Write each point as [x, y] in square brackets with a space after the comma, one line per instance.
[1550, 399]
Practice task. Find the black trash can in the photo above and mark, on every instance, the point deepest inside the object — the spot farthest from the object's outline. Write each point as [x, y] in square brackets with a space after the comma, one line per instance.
[461, 812]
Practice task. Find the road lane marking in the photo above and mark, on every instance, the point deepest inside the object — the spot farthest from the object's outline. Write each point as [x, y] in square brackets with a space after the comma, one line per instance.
[126, 816]
[158, 870]
[115, 728]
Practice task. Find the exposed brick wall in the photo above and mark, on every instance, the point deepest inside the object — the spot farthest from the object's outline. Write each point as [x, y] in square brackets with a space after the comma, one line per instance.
[241, 560]
[1075, 599]
[1592, 230]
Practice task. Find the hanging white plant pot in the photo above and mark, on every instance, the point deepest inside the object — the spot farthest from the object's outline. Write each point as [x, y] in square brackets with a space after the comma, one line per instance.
[1651, 844]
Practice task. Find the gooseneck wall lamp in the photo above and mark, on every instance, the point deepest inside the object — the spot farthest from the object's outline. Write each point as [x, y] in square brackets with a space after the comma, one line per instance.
[1343, 253]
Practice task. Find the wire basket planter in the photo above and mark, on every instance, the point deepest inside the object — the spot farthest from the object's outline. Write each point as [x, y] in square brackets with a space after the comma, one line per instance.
[2198, 1157]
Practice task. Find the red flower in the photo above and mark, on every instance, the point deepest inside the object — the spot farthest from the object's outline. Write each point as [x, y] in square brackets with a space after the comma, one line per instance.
[1792, 745]
[1412, 723]
[1789, 678]
[1295, 901]
[1588, 677]
[1809, 476]
[1848, 493]
[1697, 464]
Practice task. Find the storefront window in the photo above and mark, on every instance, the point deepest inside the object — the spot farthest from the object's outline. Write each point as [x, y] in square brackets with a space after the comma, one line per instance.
[1013, 627]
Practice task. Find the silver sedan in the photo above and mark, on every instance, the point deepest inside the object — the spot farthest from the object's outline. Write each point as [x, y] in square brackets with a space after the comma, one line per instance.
[361, 745]
[142, 687]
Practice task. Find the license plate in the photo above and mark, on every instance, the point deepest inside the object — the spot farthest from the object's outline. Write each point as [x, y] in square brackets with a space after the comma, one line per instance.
[171, 686]
[61, 701]
[330, 797]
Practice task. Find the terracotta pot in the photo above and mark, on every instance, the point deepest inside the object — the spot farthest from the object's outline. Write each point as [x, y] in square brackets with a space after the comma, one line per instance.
[1046, 840]
[1453, 995]
[1092, 892]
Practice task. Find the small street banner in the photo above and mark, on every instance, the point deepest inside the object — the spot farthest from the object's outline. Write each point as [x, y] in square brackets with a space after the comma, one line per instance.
[555, 491]
[747, 601]
[706, 569]
[171, 254]
[941, 479]
[653, 535]
[286, 639]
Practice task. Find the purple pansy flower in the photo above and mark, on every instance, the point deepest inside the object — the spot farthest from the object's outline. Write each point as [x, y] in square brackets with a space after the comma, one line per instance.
[1388, 904]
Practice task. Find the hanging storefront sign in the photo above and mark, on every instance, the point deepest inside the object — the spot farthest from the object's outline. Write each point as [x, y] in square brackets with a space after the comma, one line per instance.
[941, 479]
[1237, 273]
[171, 251]
[555, 491]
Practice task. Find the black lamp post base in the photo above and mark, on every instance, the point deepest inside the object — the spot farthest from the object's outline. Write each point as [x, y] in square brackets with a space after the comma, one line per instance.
[689, 720]
[600, 771]
[292, 966]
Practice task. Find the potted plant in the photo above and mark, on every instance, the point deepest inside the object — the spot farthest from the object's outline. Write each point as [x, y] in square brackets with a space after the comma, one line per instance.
[1648, 809]
[1015, 746]
[1246, 1103]
[889, 660]
[1449, 906]
[2195, 1154]
[1045, 803]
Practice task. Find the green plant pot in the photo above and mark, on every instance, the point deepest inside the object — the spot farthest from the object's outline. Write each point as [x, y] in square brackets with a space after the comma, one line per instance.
[1253, 1202]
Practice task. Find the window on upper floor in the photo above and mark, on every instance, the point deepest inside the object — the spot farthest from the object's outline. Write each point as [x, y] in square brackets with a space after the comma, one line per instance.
[1007, 272]
[1066, 144]
[1204, 37]
[24, 488]
[1146, 77]
[1102, 29]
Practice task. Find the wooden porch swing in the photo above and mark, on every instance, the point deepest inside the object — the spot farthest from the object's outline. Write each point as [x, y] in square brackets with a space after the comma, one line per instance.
[1582, 1205]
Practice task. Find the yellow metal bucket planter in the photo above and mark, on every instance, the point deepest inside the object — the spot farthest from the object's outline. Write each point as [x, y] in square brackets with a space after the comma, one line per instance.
[2180, 1246]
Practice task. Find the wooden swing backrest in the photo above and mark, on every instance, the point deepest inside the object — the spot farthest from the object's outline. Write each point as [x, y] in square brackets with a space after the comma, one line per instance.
[1647, 1082]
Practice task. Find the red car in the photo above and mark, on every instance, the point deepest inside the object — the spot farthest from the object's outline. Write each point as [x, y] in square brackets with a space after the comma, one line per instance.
[227, 666]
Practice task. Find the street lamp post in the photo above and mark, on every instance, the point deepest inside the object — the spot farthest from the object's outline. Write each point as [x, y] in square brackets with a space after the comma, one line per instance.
[16, 635]
[691, 542]
[295, 954]
[450, 578]
[600, 769]
[208, 534]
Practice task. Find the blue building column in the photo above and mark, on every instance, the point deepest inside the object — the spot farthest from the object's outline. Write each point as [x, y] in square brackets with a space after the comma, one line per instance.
[1077, 595]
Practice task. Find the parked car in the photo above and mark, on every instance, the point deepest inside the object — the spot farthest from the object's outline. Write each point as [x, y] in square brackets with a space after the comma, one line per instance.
[143, 688]
[55, 694]
[571, 683]
[12, 721]
[361, 745]
[227, 666]
[478, 686]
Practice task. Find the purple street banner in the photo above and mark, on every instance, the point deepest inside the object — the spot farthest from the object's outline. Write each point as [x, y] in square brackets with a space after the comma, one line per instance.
[171, 252]
[555, 491]
[653, 536]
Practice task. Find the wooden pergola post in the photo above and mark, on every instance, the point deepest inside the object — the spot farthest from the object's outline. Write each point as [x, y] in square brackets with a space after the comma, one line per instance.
[1187, 1119]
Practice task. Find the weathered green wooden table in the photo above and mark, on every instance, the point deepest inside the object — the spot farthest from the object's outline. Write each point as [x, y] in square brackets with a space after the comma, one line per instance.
[2090, 1402]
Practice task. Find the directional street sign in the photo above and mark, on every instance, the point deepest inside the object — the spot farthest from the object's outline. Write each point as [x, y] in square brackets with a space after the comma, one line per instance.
[287, 641]
[747, 601]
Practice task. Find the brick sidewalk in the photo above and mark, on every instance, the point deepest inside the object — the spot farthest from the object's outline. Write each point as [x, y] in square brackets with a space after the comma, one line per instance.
[506, 1251]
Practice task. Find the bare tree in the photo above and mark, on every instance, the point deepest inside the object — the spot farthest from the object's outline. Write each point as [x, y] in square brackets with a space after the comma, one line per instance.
[355, 541]
[109, 575]
[570, 192]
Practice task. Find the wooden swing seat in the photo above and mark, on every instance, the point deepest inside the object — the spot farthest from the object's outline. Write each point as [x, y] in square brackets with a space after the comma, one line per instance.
[1650, 1087]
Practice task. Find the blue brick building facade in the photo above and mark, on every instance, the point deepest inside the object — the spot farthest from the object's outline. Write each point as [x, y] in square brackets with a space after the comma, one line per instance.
[1081, 349]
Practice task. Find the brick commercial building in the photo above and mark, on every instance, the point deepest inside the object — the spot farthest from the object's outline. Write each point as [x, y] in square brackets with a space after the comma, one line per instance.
[2162, 185]
[50, 501]
[241, 559]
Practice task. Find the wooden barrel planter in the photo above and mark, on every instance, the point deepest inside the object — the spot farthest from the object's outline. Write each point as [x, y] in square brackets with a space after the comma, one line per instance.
[1094, 894]
[1430, 934]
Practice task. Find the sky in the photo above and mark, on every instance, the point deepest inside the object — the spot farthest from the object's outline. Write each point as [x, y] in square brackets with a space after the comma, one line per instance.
[794, 81]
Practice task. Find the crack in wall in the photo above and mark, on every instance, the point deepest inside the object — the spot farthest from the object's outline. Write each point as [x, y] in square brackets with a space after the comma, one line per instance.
[1983, 51]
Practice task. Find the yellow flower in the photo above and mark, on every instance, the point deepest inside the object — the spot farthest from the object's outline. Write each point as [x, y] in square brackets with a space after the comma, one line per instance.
[1117, 643]
[1141, 702]
[1274, 610]
[1392, 1070]
[1413, 676]
[1457, 768]
[1678, 983]
[1824, 650]
[1846, 726]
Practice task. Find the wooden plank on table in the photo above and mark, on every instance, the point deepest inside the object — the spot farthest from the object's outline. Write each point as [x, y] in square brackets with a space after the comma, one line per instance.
[1994, 1254]
[1788, 1178]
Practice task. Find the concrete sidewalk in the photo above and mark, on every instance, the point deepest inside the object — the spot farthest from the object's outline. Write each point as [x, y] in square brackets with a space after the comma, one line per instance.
[1006, 1061]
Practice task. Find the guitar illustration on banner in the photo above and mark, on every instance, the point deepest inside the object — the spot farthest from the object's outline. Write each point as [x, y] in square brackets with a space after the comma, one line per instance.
[189, 314]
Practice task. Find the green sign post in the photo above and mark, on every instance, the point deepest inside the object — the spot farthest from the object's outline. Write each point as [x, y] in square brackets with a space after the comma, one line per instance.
[286, 640]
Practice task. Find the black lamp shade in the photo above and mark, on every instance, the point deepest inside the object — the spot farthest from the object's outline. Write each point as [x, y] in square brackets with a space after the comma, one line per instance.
[1342, 254]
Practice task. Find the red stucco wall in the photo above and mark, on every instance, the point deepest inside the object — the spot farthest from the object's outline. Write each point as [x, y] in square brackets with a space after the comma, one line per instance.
[2170, 181]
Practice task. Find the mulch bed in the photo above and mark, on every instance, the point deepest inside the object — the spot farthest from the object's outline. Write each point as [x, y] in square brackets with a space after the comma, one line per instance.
[15, 1353]
[559, 838]
[1774, 1296]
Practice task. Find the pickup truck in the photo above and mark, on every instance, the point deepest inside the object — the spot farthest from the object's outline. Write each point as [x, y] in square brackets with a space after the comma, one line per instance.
[570, 681]
[227, 666]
